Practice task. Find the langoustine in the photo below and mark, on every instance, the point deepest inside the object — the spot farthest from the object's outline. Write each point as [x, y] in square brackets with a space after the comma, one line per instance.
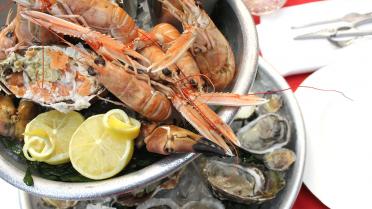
[196, 112]
[107, 17]
[136, 93]
[186, 63]
[211, 50]
[101, 15]
[20, 33]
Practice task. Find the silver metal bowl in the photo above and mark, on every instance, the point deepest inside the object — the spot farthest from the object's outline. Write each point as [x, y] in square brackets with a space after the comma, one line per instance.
[267, 79]
[233, 18]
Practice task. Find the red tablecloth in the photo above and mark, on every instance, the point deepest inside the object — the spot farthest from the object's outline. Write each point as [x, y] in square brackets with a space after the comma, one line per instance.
[305, 200]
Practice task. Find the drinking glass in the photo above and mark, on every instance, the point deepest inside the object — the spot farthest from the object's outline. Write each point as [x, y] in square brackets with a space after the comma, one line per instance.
[262, 7]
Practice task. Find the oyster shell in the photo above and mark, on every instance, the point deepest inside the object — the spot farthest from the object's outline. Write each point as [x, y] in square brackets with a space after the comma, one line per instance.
[59, 204]
[274, 104]
[280, 159]
[245, 112]
[209, 203]
[52, 76]
[265, 134]
[164, 203]
[247, 185]
[234, 182]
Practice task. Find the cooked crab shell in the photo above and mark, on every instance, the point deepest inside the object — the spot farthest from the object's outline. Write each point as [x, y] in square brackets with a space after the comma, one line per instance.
[52, 76]
[265, 134]
[280, 159]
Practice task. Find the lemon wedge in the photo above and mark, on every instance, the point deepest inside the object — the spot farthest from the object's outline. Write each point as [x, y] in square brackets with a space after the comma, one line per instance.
[47, 137]
[103, 145]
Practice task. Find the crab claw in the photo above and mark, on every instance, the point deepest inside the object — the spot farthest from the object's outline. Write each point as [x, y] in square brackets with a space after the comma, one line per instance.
[172, 139]
[103, 44]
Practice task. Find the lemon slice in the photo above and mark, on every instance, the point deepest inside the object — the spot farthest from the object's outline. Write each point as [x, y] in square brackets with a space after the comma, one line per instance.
[98, 152]
[117, 120]
[51, 131]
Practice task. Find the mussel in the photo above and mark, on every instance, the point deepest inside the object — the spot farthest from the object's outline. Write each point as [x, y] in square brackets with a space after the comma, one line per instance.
[280, 159]
[243, 184]
[265, 134]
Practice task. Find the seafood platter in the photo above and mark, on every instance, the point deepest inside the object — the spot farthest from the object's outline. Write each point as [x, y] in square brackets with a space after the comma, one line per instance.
[194, 183]
[96, 103]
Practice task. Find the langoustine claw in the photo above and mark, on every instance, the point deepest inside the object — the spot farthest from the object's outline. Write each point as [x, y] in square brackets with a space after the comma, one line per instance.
[172, 139]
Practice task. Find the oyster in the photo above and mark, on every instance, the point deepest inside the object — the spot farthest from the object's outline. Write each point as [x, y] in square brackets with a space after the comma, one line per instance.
[59, 204]
[245, 112]
[274, 104]
[209, 203]
[52, 76]
[280, 159]
[241, 184]
[265, 134]
[232, 181]
[163, 203]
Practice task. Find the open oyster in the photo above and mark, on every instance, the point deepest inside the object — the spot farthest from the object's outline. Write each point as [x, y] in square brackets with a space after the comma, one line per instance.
[265, 134]
[155, 203]
[52, 76]
[280, 159]
[241, 184]
[209, 203]
[59, 204]
[274, 104]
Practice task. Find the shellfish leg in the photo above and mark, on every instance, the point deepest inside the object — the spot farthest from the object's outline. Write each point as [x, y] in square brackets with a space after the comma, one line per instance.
[179, 47]
[210, 126]
[172, 139]
[229, 99]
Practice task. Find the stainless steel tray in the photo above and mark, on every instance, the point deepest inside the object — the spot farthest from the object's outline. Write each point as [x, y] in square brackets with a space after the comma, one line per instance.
[267, 79]
[233, 18]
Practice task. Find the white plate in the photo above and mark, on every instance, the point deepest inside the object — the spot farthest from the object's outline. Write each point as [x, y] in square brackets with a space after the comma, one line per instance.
[339, 132]
[8, 196]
